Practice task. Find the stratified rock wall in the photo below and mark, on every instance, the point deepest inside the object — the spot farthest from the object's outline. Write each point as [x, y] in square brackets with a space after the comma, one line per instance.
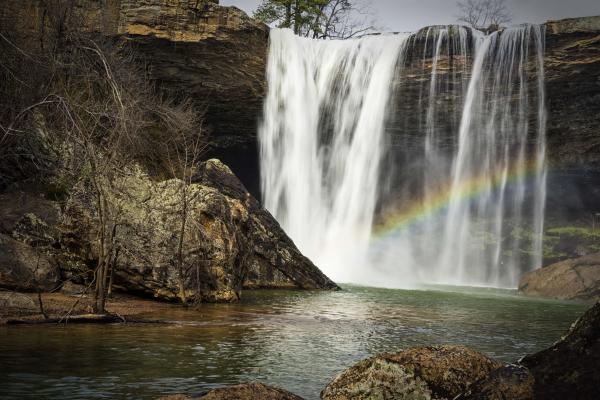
[572, 66]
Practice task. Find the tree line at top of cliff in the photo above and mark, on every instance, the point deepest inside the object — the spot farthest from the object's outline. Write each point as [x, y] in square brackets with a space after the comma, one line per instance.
[346, 19]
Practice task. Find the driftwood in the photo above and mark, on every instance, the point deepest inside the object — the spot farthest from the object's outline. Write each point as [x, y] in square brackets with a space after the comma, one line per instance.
[83, 319]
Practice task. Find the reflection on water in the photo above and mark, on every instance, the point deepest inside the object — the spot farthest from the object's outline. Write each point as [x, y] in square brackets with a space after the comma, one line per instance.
[295, 340]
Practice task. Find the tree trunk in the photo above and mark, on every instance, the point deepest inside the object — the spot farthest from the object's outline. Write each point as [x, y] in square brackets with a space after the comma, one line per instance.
[180, 268]
[297, 15]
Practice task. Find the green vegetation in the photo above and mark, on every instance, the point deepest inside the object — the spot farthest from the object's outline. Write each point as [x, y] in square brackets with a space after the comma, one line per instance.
[584, 233]
[318, 19]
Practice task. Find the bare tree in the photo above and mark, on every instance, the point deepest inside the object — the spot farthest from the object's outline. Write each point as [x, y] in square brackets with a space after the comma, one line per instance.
[484, 13]
[343, 19]
[107, 118]
[184, 151]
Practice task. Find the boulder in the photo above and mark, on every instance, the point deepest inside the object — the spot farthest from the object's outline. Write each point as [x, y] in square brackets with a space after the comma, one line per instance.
[25, 268]
[569, 369]
[248, 391]
[226, 234]
[18, 301]
[437, 372]
[513, 382]
[575, 279]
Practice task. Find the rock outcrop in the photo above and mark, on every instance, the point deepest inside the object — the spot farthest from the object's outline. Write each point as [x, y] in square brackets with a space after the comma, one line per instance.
[569, 369]
[438, 372]
[574, 279]
[24, 268]
[274, 262]
[228, 241]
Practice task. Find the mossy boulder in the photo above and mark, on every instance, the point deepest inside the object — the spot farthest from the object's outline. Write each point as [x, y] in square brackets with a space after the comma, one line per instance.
[224, 238]
[436, 372]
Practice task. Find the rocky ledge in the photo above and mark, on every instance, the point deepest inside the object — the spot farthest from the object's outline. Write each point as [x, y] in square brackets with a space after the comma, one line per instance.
[573, 279]
[230, 241]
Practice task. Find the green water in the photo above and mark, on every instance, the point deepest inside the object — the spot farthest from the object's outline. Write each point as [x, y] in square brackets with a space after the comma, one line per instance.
[295, 340]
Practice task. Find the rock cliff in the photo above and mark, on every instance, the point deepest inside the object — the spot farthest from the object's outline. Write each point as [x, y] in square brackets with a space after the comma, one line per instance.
[572, 67]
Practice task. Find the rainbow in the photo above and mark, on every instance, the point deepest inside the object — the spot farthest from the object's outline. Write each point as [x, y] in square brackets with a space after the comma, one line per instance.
[417, 210]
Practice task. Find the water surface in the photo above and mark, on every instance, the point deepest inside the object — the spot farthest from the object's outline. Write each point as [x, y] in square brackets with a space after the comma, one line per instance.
[295, 340]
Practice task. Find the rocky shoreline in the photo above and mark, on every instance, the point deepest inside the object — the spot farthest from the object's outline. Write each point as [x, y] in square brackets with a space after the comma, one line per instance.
[64, 306]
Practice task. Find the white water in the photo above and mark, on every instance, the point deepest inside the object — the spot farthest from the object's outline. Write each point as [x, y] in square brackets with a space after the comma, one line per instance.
[323, 142]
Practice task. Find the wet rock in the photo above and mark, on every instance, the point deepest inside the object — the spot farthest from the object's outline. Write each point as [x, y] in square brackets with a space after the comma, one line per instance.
[25, 268]
[569, 369]
[437, 372]
[247, 391]
[513, 382]
[576, 279]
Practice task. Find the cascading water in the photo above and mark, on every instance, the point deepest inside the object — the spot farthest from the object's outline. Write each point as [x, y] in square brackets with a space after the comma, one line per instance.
[393, 160]
[322, 141]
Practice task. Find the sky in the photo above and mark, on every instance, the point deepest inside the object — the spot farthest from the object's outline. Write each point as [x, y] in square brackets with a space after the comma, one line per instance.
[411, 15]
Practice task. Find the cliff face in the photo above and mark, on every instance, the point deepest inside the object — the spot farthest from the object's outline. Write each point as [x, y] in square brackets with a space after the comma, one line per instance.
[215, 54]
[573, 89]
[572, 66]
[572, 86]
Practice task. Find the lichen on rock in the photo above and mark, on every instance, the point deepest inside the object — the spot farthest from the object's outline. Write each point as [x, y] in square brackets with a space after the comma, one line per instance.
[436, 372]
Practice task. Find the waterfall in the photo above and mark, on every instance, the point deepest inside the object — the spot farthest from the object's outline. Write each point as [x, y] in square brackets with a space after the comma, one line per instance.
[403, 159]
